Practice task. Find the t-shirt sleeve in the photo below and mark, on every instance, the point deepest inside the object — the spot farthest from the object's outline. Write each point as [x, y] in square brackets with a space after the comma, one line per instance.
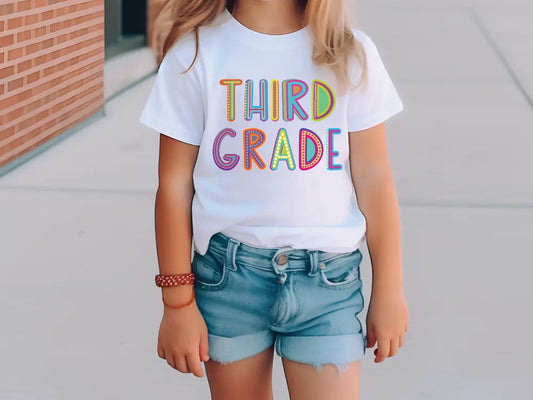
[174, 106]
[377, 102]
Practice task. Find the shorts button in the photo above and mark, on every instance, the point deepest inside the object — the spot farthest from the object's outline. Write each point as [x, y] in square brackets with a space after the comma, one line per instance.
[282, 259]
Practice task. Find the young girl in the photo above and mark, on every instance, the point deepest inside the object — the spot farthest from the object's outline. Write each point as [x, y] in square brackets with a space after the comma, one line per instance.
[273, 154]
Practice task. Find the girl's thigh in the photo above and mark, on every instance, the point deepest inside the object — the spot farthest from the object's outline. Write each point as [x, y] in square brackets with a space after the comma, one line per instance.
[306, 383]
[246, 379]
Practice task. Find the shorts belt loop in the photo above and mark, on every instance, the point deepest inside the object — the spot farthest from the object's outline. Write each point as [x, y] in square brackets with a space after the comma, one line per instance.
[313, 255]
[231, 252]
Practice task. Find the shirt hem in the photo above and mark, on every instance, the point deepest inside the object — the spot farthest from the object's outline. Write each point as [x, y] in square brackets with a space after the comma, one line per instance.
[154, 122]
[377, 118]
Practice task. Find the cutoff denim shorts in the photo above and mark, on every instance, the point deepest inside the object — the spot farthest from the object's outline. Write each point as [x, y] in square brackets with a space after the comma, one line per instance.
[305, 302]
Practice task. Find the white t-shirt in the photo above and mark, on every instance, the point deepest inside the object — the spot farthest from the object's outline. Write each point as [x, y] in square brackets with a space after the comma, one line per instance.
[273, 165]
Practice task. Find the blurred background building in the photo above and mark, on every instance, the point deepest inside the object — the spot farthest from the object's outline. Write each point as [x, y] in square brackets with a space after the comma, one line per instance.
[60, 61]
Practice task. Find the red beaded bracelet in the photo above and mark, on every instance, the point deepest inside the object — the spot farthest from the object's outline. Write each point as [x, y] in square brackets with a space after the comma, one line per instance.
[174, 280]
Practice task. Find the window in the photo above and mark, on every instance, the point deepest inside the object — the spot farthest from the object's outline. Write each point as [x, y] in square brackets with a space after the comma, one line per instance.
[125, 26]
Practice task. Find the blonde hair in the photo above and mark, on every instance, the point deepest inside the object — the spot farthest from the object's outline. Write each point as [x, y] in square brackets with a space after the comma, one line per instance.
[334, 43]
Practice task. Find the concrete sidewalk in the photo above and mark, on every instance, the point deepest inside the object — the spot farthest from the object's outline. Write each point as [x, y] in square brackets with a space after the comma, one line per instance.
[80, 313]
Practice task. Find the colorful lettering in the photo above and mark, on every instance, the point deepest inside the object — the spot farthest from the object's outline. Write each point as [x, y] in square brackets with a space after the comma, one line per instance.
[293, 90]
[249, 108]
[230, 97]
[309, 136]
[252, 139]
[323, 100]
[286, 103]
[282, 151]
[275, 99]
[331, 152]
[229, 161]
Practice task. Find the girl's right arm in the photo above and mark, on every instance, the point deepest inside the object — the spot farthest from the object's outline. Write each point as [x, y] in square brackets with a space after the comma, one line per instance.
[183, 333]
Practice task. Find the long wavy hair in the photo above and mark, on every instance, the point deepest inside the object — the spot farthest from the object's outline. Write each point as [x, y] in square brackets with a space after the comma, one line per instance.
[331, 27]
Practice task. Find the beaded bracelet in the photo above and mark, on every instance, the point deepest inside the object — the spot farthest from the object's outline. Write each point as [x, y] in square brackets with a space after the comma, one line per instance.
[174, 280]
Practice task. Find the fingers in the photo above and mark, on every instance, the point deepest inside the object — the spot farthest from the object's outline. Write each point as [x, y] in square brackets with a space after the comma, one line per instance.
[394, 343]
[185, 362]
[160, 351]
[181, 364]
[171, 360]
[370, 337]
[382, 351]
[388, 347]
[204, 347]
[194, 364]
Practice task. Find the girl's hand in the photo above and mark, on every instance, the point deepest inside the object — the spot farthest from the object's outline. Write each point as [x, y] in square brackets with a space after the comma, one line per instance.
[387, 322]
[183, 339]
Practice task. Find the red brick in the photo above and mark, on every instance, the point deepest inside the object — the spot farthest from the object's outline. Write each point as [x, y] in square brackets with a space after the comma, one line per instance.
[15, 84]
[24, 5]
[47, 15]
[23, 66]
[19, 112]
[6, 40]
[14, 23]
[39, 31]
[5, 133]
[15, 53]
[33, 76]
[31, 19]
[24, 35]
[6, 9]
[32, 48]
[48, 43]
[7, 71]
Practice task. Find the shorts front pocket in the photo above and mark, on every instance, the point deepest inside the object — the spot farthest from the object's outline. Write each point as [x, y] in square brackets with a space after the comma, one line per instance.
[209, 271]
[341, 272]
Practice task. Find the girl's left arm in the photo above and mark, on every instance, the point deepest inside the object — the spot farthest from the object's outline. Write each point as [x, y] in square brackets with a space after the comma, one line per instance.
[387, 318]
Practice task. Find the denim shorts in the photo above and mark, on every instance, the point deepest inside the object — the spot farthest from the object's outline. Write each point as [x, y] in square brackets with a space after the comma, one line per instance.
[305, 302]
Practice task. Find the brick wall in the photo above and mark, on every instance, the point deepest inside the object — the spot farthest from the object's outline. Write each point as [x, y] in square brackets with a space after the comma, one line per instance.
[51, 69]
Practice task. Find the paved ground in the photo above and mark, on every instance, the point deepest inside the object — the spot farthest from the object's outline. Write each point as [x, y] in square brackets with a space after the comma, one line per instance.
[79, 313]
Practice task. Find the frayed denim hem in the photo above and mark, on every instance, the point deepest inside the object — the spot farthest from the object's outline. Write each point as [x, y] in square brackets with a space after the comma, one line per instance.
[341, 368]
[222, 362]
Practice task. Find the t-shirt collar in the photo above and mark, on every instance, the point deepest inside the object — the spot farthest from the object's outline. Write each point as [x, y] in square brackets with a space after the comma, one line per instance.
[296, 38]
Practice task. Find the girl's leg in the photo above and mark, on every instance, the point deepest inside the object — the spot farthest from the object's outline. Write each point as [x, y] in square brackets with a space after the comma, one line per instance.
[306, 383]
[246, 379]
